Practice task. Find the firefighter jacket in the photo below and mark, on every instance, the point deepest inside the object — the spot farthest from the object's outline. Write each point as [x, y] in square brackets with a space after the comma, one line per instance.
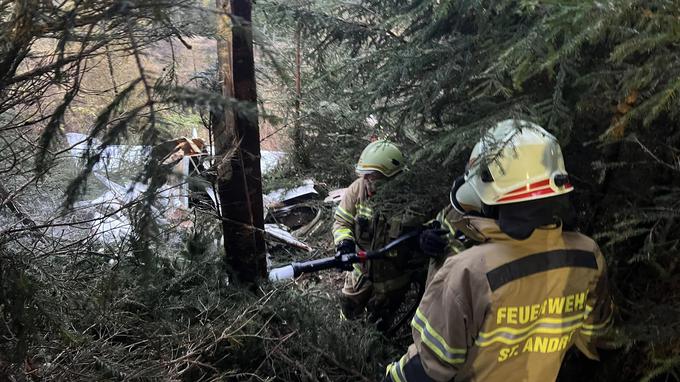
[353, 215]
[509, 309]
[458, 224]
[357, 219]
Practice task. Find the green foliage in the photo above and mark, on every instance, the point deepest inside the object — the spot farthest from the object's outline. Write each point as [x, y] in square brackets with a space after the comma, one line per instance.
[430, 75]
[601, 76]
[665, 367]
[97, 321]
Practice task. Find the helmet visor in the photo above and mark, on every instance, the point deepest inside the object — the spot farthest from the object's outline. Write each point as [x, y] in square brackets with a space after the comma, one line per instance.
[463, 198]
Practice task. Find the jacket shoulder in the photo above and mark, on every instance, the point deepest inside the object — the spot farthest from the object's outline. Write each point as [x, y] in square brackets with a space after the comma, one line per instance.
[465, 273]
[580, 241]
[355, 186]
[462, 278]
[353, 190]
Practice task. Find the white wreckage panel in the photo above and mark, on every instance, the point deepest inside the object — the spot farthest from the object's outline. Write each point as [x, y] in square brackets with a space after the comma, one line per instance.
[113, 226]
[279, 196]
[114, 158]
[335, 196]
[279, 233]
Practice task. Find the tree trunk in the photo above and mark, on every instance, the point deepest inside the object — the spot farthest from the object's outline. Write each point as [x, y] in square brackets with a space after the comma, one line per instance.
[237, 146]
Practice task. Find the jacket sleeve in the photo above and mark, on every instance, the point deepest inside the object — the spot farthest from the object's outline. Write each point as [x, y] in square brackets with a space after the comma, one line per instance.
[599, 312]
[443, 217]
[454, 245]
[458, 223]
[343, 224]
[440, 335]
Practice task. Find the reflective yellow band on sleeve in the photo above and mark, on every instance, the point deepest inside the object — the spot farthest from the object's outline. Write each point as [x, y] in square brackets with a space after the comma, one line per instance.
[363, 210]
[365, 216]
[341, 234]
[396, 370]
[449, 226]
[388, 369]
[599, 328]
[454, 249]
[400, 368]
[342, 231]
[344, 215]
[435, 342]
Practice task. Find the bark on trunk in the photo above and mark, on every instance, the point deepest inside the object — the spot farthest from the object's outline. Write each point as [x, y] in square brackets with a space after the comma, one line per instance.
[237, 142]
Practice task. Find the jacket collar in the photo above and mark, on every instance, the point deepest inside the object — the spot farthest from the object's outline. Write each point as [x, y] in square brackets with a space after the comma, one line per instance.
[489, 230]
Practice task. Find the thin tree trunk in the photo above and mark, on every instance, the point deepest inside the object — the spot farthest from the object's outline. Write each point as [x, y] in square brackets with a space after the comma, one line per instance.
[298, 134]
[237, 141]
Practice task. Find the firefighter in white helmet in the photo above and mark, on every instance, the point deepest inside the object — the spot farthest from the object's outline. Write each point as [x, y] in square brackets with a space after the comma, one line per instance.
[510, 307]
[377, 286]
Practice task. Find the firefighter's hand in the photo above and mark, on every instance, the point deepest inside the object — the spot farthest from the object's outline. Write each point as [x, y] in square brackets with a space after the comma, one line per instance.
[433, 242]
[346, 246]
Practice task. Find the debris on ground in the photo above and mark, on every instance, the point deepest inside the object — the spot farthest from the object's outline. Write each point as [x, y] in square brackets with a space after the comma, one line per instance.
[279, 232]
[187, 186]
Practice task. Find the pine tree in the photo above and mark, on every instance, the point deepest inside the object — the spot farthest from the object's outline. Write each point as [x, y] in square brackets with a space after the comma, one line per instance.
[602, 76]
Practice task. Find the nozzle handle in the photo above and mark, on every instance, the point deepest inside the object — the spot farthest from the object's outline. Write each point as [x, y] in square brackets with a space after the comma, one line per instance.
[283, 273]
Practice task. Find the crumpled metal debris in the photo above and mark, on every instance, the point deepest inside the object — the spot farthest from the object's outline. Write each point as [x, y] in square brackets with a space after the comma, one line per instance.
[286, 197]
[290, 207]
[335, 196]
[172, 207]
[279, 232]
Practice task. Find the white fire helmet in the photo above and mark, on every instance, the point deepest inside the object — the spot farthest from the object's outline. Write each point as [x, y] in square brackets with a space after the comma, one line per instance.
[516, 161]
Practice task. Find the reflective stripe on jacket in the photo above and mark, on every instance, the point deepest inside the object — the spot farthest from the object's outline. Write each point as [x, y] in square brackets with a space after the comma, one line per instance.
[353, 206]
[509, 309]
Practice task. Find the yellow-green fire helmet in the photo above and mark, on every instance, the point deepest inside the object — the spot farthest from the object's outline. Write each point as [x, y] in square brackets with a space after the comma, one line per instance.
[381, 156]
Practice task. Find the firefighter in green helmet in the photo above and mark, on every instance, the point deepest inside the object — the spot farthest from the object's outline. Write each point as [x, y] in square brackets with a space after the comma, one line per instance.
[379, 286]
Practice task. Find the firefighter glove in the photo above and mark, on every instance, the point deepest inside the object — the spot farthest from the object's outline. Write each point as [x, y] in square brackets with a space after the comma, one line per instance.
[346, 246]
[433, 242]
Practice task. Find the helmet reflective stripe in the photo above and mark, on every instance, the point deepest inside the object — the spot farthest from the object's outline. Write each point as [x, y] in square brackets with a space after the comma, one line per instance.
[367, 168]
[541, 188]
[381, 156]
[517, 161]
